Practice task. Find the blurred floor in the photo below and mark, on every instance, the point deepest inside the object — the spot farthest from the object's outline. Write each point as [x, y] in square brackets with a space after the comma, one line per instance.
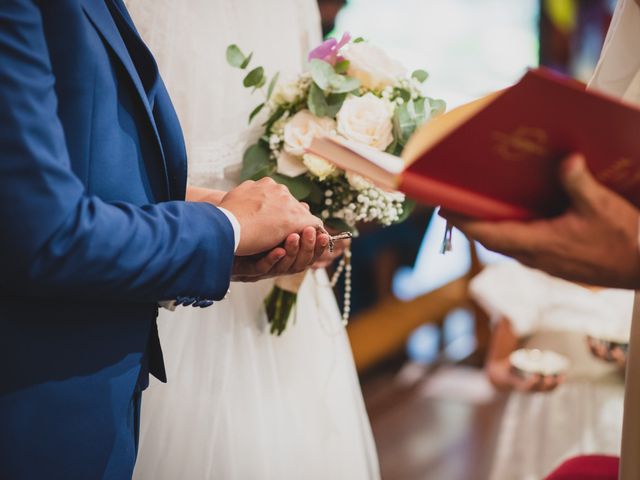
[436, 424]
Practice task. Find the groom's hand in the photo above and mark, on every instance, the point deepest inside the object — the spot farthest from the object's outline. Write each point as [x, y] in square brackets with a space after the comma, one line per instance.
[267, 214]
[297, 254]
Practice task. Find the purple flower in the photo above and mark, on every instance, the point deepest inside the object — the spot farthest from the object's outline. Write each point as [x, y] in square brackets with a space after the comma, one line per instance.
[329, 49]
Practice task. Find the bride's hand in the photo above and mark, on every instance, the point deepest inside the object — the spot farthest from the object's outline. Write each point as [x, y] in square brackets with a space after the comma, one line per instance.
[298, 253]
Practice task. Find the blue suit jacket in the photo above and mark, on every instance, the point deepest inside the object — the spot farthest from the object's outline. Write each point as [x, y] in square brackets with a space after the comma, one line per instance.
[92, 235]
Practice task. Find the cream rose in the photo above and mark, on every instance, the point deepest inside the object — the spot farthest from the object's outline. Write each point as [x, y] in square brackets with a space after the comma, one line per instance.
[290, 165]
[302, 128]
[318, 166]
[372, 66]
[366, 120]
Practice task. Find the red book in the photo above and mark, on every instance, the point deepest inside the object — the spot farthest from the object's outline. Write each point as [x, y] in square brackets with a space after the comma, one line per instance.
[497, 157]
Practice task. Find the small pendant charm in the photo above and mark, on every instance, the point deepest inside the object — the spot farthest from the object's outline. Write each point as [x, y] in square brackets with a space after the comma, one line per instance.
[334, 238]
[447, 246]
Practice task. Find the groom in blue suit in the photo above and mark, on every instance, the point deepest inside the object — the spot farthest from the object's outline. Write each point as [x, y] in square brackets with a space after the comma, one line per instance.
[94, 232]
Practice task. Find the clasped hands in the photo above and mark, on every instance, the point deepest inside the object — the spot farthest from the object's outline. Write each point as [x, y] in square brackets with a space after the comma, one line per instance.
[278, 234]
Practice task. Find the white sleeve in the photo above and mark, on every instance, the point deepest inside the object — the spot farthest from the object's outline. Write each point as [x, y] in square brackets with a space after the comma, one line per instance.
[235, 224]
[512, 291]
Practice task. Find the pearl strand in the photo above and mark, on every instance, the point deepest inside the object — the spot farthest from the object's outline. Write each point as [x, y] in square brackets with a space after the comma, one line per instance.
[344, 266]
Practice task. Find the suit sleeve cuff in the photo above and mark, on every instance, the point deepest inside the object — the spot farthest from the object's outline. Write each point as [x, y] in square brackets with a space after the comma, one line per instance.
[236, 227]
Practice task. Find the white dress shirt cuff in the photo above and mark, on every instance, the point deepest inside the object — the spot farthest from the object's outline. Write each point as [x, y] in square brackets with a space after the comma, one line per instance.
[236, 226]
[168, 304]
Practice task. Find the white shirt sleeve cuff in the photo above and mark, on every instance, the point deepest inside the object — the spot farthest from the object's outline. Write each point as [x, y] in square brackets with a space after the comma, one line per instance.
[236, 227]
[168, 304]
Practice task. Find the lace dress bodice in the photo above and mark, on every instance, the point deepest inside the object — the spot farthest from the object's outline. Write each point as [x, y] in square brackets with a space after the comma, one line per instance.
[208, 95]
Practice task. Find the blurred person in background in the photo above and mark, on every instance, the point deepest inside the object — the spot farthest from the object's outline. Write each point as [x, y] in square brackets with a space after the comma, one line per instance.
[549, 419]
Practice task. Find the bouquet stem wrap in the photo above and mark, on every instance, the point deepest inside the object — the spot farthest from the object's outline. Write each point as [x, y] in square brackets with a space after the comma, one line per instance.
[280, 302]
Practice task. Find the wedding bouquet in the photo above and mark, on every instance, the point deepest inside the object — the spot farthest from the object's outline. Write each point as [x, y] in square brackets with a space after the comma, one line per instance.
[354, 90]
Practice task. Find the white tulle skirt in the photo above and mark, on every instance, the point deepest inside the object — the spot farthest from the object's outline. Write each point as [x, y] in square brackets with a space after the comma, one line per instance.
[243, 404]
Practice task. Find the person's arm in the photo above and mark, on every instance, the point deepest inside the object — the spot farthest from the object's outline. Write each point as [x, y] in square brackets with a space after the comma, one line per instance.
[595, 241]
[55, 240]
[208, 195]
[504, 341]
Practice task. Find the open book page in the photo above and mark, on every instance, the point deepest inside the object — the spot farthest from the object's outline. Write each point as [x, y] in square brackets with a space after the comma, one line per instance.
[384, 160]
[382, 168]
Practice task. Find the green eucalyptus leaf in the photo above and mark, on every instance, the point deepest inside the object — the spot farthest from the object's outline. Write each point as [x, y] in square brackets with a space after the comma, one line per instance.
[343, 84]
[315, 199]
[342, 66]
[275, 116]
[420, 75]
[328, 80]
[254, 77]
[255, 111]
[407, 209]
[420, 111]
[322, 73]
[392, 146]
[260, 84]
[437, 106]
[316, 103]
[235, 57]
[299, 186]
[322, 105]
[404, 123]
[246, 61]
[257, 162]
[359, 40]
[272, 85]
[339, 225]
[404, 94]
[397, 151]
[334, 103]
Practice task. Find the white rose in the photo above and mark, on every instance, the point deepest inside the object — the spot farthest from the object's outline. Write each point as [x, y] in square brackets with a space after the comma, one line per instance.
[290, 165]
[372, 66]
[302, 128]
[366, 120]
[358, 182]
[318, 166]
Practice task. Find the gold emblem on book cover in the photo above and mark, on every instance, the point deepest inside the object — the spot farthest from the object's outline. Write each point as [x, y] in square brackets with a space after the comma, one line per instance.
[622, 175]
[522, 143]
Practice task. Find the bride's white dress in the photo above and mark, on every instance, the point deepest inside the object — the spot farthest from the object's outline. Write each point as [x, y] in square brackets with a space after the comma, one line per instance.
[241, 403]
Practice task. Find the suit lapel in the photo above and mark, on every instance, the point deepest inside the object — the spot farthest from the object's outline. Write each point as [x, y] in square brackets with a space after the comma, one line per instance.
[104, 23]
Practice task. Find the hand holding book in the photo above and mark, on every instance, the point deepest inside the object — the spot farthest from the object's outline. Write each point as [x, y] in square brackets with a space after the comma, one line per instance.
[501, 158]
[594, 241]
